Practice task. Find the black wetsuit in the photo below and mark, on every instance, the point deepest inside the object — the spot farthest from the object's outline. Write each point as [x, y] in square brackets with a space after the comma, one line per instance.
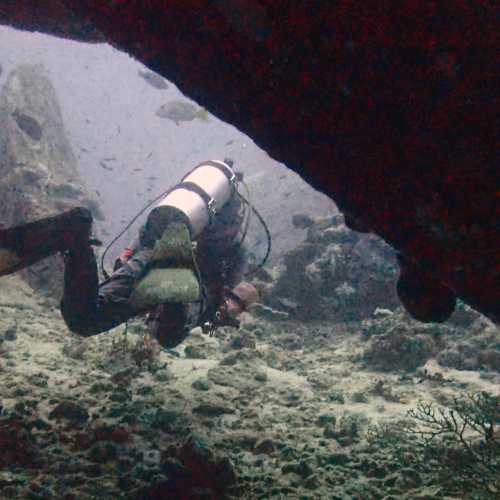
[89, 308]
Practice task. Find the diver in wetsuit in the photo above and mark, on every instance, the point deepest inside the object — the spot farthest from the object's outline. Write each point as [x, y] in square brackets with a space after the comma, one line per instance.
[89, 308]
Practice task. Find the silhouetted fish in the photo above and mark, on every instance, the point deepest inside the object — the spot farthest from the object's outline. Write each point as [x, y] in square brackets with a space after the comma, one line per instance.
[103, 165]
[180, 111]
[28, 125]
[1, 70]
[154, 79]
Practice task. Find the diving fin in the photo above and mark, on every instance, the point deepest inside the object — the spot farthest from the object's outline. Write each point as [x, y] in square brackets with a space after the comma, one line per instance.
[173, 277]
[23, 245]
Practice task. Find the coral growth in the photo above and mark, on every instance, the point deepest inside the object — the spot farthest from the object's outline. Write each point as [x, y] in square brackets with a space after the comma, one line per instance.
[398, 350]
[460, 442]
[335, 274]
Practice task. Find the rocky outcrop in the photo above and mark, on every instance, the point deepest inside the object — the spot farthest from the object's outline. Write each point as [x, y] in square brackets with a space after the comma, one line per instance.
[395, 342]
[334, 274]
[38, 170]
[383, 107]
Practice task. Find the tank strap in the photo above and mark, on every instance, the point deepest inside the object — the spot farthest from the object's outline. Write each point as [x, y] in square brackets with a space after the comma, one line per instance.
[227, 171]
[222, 167]
[209, 201]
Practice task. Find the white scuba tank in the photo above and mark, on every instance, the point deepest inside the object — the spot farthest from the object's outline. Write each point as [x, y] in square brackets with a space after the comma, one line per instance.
[202, 193]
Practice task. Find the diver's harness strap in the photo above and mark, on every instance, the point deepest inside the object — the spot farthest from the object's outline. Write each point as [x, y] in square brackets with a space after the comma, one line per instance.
[219, 165]
[209, 201]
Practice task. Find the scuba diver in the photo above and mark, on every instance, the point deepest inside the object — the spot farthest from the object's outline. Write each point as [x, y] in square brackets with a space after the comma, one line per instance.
[184, 269]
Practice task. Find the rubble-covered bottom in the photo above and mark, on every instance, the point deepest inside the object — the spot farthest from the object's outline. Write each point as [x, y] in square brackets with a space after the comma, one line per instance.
[275, 410]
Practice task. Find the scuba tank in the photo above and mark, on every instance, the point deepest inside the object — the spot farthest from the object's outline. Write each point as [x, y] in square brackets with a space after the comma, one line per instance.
[172, 226]
[197, 199]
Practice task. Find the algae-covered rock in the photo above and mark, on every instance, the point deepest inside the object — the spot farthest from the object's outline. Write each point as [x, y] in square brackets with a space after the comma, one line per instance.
[335, 274]
[38, 169]
[69, 410]
[239, 377]
[398, 351]
[168, 420]
[212, 409]
[201, 385]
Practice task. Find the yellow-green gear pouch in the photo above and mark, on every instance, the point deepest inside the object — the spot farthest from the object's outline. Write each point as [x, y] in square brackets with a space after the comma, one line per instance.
[173, 277]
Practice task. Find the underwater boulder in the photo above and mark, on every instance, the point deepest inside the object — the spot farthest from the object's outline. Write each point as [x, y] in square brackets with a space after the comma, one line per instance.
[398, 350]
[38, 169]
[335, 274]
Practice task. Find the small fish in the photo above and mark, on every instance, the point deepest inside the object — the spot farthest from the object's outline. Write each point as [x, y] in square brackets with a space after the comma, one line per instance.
[103, 165]
[154, 79]
[228, 143]
[180, 111]
[151, 178]
[137, 170]
[1, 69]
[28, 125]
[83, 150]
[97, 193]
[149, 155]
[109, 159]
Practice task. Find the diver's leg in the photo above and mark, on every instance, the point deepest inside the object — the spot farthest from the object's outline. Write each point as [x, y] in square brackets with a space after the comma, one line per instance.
[167, 323]
[23, 245]
[89, 309]
[113, 306]
[79, 302]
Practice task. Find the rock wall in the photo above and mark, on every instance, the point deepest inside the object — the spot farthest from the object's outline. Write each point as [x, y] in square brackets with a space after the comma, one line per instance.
[38, 170]
[335, 274]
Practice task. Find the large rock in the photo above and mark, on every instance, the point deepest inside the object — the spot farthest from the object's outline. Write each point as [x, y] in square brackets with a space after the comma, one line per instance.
[38, 170]
[386, 107]
[334, 274]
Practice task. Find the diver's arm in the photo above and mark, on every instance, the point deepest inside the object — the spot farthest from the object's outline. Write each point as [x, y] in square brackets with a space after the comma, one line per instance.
[239, 299]
[237, 264]
[241, 294]
[127, 253]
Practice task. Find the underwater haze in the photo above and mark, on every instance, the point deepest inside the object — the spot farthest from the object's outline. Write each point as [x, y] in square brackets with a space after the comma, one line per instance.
[129, 151]
[323, 388]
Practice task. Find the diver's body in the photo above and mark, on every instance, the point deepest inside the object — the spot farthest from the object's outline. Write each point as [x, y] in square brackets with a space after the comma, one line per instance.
[90, 308]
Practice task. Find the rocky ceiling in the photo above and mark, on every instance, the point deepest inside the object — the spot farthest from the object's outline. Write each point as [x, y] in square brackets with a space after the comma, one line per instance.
[388, 107]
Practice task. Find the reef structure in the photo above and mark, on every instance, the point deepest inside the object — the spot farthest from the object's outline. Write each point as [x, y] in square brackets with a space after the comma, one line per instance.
[387, 108]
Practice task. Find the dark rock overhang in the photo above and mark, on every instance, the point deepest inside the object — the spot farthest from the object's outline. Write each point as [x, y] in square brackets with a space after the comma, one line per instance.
[387, 108]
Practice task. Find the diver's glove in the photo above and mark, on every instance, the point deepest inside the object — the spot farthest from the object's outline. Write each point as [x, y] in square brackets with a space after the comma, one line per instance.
[237, 300]
[123, 258]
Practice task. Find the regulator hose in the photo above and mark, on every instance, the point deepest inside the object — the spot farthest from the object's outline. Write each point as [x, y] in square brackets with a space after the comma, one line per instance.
[114, 240]
[268, 235]
[167, 191]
